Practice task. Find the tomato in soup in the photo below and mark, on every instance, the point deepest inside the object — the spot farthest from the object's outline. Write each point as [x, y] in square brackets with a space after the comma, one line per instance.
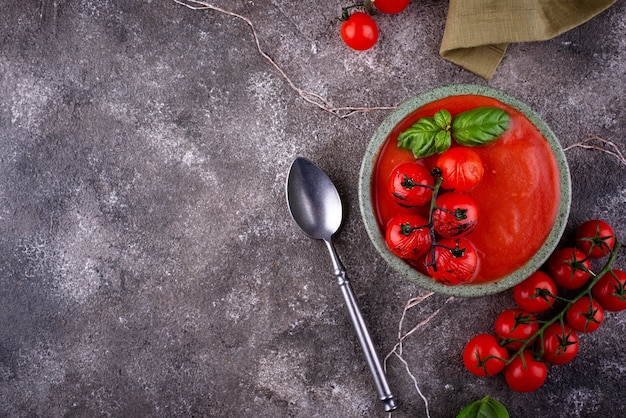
[517, 198]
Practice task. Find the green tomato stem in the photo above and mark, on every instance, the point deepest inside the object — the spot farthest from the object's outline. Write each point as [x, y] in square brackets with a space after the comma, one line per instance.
[559, 316]
[431, 215]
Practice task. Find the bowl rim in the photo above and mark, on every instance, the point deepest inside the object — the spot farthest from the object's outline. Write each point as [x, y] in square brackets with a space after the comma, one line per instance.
[367, 210]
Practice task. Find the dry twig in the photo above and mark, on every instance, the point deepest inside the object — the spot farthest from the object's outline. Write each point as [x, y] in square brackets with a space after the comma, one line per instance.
[592, 143]
[398, 348]
[309, 96]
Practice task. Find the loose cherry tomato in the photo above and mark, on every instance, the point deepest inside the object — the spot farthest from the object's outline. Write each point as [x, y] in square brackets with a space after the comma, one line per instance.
[595, 238]
[536, 293]
[408, 236]
[461, 169]
[359, 31]
[560, 344]
[411, 185]
[610, 291]
[514, 326]
[455, 261]
[391, 6]
[483, 356]
[585, 315]
[566, 268]
[456, 215]
[527, 375]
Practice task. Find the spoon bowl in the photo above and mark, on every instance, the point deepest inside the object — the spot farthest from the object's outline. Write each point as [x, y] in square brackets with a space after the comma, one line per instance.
[313, 200]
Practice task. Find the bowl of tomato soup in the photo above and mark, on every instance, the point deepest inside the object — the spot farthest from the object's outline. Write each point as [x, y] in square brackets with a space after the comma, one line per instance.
[522, 199]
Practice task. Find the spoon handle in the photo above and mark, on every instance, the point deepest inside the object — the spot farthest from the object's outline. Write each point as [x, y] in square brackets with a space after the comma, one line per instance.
[363, 335]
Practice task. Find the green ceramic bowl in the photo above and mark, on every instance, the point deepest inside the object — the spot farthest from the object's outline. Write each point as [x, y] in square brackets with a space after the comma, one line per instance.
[377, 237]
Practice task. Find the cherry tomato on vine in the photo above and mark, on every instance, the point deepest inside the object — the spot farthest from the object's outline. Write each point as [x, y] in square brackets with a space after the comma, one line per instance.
[461, 169]
[455, 261]
[408, 236]
[359, 31]
[585, 315]
[610, 291]
[456, 215]
[483, 356]
[513, 326]
[560, 344]
[391, 6]
[566, 265]
[536, 293]
[527, 375]
[595, 238]
[411, 185]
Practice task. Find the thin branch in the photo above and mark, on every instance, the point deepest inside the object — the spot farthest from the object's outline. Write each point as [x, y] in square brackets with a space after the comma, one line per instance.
[588, 143]
[417, 388]
[410, 304]
[398, 348]
[309, 96]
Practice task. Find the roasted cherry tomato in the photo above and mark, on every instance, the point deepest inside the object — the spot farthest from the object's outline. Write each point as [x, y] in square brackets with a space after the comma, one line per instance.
[610, 291]
[391, 6]
[455, 262]
[483, 356]
[461, 169]
[359, 31]
[560, 344]
[456, 215]
[514, 326]
[585, 315]
[566, 266]
[527, 375]
[595, 238]
[411, 185]
[408, 236]
[536, 293]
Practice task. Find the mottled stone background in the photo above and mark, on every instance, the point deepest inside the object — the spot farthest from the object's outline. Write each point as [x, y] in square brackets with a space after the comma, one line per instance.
[148, 264]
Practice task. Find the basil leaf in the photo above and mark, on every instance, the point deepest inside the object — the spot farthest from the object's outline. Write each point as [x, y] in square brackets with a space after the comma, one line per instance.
[487, 407]
[430, 135]
[479, 126]
[443, 119]
[443, 140]
[470, 411]
[420, 137]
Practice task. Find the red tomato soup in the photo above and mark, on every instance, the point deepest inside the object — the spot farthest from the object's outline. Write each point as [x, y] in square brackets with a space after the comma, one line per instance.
[518, 196]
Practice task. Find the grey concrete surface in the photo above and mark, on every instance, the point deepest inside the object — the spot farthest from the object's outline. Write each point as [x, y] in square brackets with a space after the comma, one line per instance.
[148, 264]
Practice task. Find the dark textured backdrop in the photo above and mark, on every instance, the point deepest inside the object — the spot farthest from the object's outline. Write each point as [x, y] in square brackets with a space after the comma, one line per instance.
[148, 264]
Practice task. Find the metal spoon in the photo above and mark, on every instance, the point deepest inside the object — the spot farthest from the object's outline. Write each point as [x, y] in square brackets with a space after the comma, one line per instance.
[315, 206]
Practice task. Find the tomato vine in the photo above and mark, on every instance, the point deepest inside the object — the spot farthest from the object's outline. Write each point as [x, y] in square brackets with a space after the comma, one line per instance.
[576, 310]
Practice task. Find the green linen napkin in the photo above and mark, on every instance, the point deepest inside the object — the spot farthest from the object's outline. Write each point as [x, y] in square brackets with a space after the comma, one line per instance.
[478, 32]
